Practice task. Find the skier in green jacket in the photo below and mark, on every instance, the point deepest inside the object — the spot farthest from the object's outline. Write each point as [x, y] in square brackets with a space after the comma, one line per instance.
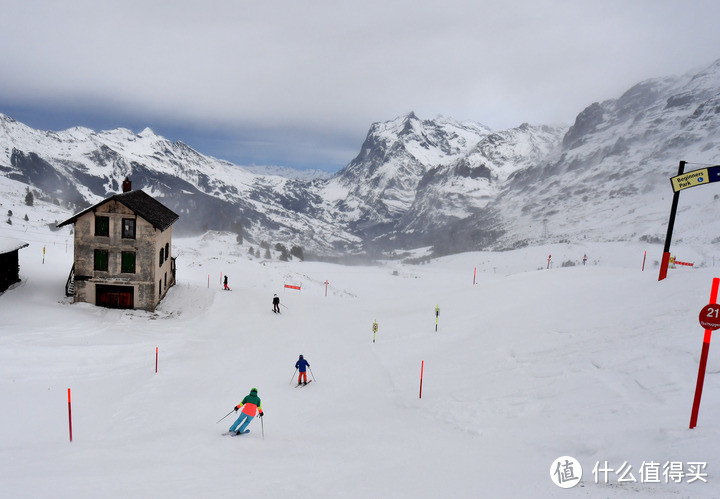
[250, 406]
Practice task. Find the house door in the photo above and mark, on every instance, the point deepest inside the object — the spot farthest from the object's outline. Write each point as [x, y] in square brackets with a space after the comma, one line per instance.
[114, 296]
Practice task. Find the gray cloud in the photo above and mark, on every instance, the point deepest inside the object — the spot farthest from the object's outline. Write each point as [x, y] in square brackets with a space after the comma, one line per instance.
[320, 72]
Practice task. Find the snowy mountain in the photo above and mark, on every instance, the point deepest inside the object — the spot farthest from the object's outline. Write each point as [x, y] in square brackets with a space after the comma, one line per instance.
[81, 166]
[609, 179]
[404, 165]
[442, 183]
[414, 175]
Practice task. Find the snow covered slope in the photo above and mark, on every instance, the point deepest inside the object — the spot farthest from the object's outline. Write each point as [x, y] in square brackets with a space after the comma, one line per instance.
[597, 362]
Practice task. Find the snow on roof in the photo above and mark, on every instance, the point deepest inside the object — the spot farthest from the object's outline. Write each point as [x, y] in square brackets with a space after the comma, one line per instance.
[8, 244]
[146, 206]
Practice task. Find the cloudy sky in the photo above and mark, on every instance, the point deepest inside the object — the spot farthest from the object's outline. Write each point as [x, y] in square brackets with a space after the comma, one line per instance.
[299, 82]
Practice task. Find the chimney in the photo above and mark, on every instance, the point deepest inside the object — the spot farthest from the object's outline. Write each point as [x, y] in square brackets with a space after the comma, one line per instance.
[126, 185]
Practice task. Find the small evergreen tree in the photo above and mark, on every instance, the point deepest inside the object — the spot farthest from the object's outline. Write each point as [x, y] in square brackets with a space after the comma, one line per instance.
[9, 222]
[29, 198]
[10, 213]
[283, 252]
[297, 252]
[267, 253]
[237, 228]
[26, 218]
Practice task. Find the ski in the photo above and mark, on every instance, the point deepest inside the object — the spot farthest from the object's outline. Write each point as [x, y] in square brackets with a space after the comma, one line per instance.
[235, 434]
[301, 384]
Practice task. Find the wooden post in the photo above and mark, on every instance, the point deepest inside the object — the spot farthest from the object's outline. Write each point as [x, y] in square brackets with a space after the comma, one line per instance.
[671, 224]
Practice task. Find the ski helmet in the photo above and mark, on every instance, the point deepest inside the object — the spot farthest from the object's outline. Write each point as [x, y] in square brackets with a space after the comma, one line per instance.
[301, 356]
[253, 391]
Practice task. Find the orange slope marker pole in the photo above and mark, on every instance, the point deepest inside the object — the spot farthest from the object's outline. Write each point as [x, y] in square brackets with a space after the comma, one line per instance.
[69, 415]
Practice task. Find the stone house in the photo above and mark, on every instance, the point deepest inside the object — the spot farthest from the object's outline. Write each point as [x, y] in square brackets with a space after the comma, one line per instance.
[122, 252]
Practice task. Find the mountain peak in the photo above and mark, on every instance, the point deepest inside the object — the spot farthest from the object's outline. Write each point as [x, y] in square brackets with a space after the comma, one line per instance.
[147, 132]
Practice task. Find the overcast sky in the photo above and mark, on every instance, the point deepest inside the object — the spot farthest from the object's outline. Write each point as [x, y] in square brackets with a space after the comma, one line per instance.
[299, 82]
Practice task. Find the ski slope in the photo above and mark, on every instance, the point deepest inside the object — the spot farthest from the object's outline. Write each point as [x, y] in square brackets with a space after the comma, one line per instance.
[597, 362]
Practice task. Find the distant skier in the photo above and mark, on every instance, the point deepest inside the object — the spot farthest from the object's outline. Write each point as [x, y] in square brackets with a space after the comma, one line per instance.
[276, 304]
[250, 407]
[302, 366]
[225, 283]
[584, 259]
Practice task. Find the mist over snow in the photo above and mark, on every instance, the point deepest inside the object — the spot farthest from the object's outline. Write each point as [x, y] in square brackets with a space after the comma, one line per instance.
[597, 362]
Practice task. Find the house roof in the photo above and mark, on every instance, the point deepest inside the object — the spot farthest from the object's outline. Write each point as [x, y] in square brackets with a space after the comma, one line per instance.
[160, 216]
[8, 245]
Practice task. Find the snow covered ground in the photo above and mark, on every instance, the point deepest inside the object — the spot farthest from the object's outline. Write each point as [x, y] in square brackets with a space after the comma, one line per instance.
[597, 362]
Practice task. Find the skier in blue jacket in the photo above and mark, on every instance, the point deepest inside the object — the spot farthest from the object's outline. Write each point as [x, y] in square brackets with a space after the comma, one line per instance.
[302, 366]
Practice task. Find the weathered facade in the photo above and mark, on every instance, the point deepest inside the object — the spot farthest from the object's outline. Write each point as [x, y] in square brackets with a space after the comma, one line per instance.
[9, 262]
[122, 252]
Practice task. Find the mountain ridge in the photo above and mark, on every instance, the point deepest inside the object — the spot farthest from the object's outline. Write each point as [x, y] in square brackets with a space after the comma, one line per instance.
[415, 182]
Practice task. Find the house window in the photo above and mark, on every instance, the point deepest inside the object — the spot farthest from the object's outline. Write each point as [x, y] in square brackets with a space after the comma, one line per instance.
[128, 262]
[128, 228]
[101, 259]
[160, 288]
[162, 256]
[102, 226]
[165, 280]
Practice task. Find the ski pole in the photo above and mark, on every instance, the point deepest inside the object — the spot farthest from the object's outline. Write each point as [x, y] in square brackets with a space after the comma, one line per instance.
[284, 306]
[313, 374]
[226, 415]
[293, 376]
[262, 425]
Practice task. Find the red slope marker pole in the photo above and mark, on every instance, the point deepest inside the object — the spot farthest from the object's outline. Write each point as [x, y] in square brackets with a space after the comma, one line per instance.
[422, 366]
[644, 256]
[703, 360]
[474, 274]
[156, 359]
[69, 415]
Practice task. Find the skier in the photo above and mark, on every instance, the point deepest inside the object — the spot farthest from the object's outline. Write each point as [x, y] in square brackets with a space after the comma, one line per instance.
[584, 259]
[302, 366]
[276, 304]
[250, 406]
[225, 284]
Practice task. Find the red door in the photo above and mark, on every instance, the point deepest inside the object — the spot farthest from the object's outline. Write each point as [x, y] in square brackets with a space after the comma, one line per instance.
[114, 296]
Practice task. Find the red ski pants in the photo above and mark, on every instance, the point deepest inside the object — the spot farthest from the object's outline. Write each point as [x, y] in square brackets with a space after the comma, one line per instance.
[303, 374]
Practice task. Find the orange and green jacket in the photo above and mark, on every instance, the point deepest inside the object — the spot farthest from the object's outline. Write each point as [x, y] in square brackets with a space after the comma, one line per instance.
[250, 405]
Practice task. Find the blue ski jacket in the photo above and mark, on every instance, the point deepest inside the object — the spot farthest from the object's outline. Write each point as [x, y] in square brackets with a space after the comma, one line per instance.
[302, 365]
